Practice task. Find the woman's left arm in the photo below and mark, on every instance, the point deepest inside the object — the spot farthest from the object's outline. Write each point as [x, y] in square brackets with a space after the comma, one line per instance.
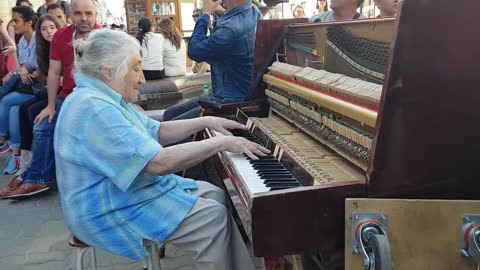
[174, 131]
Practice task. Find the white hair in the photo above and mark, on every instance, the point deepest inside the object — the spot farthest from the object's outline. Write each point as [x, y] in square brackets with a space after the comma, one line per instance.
[105, 48]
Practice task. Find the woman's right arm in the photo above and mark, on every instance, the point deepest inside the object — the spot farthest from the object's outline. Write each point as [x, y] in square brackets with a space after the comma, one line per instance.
[4, 33]
[183, 156]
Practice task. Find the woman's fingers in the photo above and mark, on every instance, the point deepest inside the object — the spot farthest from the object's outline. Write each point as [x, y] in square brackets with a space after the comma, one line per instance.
[223, 131]
[249, 154]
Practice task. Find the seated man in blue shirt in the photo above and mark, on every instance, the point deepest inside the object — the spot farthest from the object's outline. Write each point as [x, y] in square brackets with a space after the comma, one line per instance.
[228, 50]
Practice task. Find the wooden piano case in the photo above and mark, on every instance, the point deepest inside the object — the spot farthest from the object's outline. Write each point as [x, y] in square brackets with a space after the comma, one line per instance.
[426, 139]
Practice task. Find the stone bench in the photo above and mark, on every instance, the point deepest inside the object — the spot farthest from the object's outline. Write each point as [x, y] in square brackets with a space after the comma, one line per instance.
[159, 94]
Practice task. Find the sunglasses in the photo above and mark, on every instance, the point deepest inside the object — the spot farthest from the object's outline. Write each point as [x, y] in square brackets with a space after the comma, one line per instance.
[195, 16]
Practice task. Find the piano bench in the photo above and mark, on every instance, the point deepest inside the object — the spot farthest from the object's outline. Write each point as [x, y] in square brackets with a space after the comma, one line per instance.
[151, 262]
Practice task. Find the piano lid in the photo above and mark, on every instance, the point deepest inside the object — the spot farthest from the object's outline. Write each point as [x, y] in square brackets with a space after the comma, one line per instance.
[428, 124]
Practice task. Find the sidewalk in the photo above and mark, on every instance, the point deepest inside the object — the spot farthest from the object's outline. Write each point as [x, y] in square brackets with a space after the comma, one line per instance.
[34, 237]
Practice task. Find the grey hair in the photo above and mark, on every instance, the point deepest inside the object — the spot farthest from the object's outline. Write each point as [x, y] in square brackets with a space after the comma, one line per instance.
[105, 48]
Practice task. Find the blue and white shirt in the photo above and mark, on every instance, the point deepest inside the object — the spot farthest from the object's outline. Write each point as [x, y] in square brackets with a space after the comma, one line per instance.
[102, 145]
[27, 55]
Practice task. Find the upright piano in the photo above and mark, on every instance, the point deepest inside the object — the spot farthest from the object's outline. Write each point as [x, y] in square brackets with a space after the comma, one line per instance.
[333, 136]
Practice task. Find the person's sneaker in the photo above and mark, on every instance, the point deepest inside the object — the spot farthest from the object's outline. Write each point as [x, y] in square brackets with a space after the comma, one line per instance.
[27, 189]
[13, 165]
[4, 148]
[15, 183]
[25, 163]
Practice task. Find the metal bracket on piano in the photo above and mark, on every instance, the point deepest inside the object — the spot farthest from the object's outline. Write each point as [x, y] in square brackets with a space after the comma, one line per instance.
[279, 54]
[470, 237]
[370, 240]
[308, 61]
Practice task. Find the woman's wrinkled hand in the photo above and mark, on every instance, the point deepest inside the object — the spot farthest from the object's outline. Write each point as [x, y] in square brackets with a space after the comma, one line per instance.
[241, 145]
[222, 125]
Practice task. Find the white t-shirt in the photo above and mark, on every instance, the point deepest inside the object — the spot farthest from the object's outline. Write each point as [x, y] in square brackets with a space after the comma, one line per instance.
[152, 51]
[175, 62]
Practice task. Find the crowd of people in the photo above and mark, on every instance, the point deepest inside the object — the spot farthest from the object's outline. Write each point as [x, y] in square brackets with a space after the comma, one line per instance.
[66, 108]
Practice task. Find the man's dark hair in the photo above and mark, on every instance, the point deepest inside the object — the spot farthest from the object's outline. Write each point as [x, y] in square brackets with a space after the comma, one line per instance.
[19, 2]
[55, 6]
[28, 15]
[360, 2]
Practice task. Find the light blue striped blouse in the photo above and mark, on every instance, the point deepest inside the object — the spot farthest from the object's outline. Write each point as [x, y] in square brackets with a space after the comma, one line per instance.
[102, 145]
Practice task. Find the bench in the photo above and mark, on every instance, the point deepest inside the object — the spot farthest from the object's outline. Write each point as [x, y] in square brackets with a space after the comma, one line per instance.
[160, 94]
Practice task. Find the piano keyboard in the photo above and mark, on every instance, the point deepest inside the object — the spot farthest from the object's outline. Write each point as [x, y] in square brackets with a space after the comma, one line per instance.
[264, 174]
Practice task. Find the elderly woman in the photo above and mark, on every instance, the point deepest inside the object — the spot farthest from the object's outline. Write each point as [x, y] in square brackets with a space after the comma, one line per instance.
[115, 177]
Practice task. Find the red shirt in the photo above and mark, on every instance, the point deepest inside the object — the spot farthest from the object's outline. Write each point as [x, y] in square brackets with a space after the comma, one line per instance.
[61, 49]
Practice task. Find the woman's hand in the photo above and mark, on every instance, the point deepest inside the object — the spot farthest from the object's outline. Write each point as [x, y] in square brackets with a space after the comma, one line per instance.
[241, 145]
[7, 77]
[47, 112]
[222, 125]
[26, 77]
[7, 50]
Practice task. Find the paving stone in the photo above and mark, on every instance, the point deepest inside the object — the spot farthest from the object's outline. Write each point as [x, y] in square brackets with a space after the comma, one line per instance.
[33, 236]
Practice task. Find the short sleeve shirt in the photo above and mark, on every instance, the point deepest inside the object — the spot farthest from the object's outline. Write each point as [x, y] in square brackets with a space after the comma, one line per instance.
[61, 49]
[102, 145]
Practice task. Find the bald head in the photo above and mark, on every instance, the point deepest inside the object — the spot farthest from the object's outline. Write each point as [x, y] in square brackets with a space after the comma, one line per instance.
[83, 15]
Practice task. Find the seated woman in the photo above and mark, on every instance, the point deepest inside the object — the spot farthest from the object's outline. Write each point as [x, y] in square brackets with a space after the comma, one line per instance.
[152, 50]
[121, 188]
[18, 88]
[174, 51]
[47, 26]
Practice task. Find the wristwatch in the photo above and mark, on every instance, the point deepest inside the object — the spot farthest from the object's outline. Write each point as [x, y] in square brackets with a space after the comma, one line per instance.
[15, 72]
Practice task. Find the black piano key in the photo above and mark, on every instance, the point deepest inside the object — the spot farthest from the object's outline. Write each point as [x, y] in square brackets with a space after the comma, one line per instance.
[267, 171]
[268, 180]
[283, 184]
[264, 161]
[267, 174]
[269, 167]
[275, 176]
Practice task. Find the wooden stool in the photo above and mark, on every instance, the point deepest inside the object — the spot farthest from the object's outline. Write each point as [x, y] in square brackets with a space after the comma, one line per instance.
[151, 262]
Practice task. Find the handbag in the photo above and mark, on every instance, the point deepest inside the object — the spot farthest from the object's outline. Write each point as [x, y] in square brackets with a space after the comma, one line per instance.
[40, 90]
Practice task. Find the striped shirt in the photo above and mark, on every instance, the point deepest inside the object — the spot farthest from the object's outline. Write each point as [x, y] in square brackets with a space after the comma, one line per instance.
[26, 53]
[102, 145]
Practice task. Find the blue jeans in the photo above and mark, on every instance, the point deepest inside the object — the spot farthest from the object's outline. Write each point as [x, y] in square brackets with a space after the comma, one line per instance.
[186, 110]
[9, 85]
[9, 117]
[191, 108]
[43, 162]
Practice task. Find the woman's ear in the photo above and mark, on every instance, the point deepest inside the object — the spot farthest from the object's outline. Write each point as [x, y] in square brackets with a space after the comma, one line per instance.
[106, 73]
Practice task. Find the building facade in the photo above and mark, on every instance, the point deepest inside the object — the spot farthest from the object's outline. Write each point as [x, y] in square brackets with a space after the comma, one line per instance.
[6, 7]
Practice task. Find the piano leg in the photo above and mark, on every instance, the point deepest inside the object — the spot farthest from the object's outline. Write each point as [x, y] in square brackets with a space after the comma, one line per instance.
[274, 263]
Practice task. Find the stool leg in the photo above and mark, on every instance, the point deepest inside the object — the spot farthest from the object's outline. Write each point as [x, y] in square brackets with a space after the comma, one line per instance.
[80, 253]
[145, 263]
[150, 257]
[94, 258]
[155, 257]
